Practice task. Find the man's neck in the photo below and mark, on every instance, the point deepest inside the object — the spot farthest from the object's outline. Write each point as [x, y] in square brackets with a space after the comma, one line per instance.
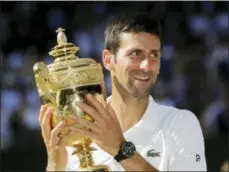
[129, 110]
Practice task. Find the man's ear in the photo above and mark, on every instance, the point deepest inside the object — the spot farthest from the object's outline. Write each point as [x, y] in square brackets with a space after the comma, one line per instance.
[107, 59]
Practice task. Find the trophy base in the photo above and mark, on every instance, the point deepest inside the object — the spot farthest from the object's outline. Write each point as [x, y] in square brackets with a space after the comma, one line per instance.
[97, 168]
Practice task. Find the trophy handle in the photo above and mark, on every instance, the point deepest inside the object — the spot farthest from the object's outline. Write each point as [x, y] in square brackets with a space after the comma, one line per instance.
[45, 89]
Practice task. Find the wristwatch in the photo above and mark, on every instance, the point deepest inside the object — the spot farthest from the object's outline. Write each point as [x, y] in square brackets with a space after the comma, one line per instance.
[127, 150]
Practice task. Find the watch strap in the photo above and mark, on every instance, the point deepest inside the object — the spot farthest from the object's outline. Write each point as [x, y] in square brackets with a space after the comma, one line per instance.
[119, 157]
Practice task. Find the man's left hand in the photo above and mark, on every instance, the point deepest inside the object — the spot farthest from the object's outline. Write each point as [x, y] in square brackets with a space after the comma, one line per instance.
[105, 130]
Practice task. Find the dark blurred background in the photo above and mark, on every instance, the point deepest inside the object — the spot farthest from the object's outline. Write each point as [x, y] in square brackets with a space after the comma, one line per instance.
[194, 72]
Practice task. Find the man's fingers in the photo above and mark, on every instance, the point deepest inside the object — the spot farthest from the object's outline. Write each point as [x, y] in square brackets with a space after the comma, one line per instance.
[42, 112]
[97, 105]
[54, 139]
[85, 123]
[45, 125]
[89, 110]
[112, 112]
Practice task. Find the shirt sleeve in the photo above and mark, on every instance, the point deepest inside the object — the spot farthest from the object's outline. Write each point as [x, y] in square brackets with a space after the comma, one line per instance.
[187, 149]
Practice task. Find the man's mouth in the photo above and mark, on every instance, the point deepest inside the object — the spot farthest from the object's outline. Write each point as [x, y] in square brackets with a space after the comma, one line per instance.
[142, 78]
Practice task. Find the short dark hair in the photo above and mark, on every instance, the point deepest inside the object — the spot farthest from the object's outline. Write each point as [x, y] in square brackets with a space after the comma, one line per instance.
[129, 22]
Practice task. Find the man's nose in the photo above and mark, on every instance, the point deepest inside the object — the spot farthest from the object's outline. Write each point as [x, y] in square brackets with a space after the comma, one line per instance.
[146, 65]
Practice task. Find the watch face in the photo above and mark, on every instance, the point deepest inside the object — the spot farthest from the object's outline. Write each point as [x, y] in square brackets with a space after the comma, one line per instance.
[128, 149]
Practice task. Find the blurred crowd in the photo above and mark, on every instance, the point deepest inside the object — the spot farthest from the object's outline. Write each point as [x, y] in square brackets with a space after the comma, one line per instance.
[194, 66]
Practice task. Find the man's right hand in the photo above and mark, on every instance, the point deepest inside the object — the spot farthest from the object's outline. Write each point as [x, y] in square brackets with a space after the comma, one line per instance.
[56, 148]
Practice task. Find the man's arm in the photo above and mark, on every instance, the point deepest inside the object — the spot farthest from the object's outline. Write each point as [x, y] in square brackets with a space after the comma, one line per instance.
[107, 133]
[137, 163]
[187, 149]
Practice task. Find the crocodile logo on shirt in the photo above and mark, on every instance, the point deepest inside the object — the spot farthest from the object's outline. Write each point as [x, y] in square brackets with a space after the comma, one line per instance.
[152, 153]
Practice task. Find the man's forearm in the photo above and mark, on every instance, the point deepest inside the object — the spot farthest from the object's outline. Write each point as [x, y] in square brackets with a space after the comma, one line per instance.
[137, 163]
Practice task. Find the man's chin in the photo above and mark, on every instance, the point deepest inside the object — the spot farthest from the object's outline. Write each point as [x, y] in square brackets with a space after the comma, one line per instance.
[140, 94]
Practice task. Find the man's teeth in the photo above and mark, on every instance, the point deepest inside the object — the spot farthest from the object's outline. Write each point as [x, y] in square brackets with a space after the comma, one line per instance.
[142, 77]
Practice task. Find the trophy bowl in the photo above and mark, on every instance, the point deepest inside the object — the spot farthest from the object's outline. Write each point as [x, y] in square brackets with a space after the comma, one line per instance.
[65, 82]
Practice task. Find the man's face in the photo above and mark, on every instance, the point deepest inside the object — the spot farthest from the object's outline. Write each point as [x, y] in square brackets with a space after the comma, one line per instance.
[137, 63]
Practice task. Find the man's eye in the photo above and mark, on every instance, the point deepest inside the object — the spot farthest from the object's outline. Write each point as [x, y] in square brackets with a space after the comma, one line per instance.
[134, 53]
[155, 55]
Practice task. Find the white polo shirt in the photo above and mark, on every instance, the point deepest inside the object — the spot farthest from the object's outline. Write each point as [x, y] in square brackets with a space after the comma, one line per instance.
[170, 139]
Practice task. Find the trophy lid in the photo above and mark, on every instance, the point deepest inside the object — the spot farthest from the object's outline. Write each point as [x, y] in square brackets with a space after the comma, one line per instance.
[63, 48]
[68, 69]
[65, 51]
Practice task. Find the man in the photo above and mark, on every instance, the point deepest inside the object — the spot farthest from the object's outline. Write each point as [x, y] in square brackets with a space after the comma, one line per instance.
[133, 132]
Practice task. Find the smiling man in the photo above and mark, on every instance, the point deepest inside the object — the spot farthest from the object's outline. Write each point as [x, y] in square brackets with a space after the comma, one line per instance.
[133, 132]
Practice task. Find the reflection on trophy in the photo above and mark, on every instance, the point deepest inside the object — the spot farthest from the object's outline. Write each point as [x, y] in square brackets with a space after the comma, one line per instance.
[65, 82]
